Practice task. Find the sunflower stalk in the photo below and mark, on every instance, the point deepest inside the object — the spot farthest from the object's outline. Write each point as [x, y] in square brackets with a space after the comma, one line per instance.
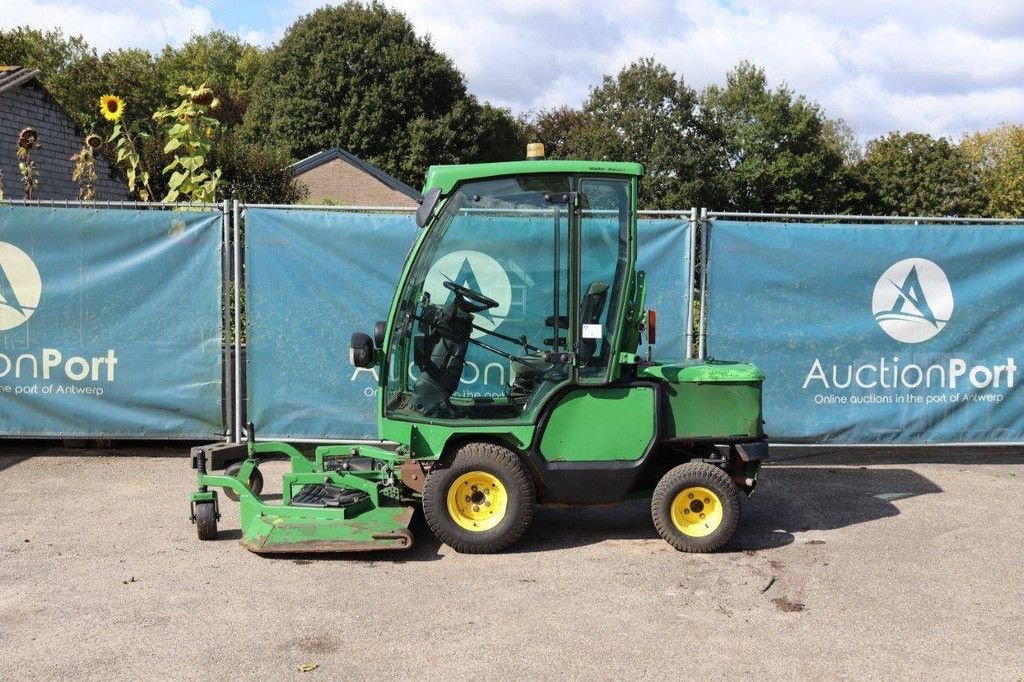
[84, 170]
[28, 140]
[189, 129]
[126, 150]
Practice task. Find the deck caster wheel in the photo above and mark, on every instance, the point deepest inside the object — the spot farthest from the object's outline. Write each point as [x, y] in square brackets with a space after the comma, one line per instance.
[696, 507]
[482, 502]
[255, 482]
[206, 520]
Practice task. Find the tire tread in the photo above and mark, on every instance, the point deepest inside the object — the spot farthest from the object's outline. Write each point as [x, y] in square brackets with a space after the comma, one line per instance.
[473, 455]
[696, 474]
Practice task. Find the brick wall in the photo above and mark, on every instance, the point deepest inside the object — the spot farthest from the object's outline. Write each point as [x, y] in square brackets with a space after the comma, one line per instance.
[29, 105]
[349, 186]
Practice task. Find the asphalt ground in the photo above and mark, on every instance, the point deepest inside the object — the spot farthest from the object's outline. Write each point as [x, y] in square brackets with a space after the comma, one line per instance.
[856, 564]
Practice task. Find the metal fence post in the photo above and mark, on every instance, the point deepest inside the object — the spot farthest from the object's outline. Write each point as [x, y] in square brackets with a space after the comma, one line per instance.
[691, 282]
[237, 278]
[702, 331]
[227, 390]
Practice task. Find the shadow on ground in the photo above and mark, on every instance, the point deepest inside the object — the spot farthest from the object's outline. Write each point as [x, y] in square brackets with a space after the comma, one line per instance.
[790, 500]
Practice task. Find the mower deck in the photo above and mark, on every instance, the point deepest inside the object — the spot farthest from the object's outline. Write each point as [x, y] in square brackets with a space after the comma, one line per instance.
[344, 500]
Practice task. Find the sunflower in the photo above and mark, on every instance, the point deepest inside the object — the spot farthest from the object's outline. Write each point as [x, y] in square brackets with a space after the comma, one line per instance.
[93, 141]
[112, 107]
[27, 138]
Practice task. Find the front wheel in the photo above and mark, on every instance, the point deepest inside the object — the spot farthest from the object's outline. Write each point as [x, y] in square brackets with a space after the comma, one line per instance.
[696, 507]
[206, 520]
[482, 502]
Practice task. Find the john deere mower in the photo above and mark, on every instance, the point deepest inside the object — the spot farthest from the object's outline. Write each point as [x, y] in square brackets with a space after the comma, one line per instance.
[510, 377]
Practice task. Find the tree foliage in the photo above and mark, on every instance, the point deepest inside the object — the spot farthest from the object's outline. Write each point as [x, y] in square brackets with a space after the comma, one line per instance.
[358, 77]
[766, 150]
[916, 174]
[997, 156]
[644, 113]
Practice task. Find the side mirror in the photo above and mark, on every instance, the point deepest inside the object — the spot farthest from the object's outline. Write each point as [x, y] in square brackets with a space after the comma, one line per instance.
[427, 206]
[379, 330]
[360, 350]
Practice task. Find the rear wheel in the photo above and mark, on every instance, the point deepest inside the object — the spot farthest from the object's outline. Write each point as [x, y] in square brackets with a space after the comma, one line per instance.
[482, 502]
[255, 481]
[696, 507]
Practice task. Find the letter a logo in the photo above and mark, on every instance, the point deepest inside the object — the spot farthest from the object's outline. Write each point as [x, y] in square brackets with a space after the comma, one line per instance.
[20, 286]
[913, 300]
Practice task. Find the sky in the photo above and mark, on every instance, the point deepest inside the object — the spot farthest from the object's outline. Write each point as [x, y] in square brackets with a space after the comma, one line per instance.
[944, 68]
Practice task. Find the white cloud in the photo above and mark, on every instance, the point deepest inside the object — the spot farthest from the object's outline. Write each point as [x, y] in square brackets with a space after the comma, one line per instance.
[940, 68]
[108, 25]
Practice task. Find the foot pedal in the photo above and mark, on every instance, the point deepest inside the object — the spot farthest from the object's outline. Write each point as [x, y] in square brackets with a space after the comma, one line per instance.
[327, 495]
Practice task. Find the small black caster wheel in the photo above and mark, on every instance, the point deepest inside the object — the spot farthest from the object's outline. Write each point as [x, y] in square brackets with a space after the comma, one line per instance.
[206, 520]
[255, 481]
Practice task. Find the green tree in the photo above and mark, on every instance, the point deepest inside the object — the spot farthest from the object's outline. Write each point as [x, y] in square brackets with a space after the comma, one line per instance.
[767, 150]
[224, 62]
[644, 113]
[358, 77]
[134, 77]
[998, 157]
[68, 67]
[554, 128]
[916, 174]
[255, 173]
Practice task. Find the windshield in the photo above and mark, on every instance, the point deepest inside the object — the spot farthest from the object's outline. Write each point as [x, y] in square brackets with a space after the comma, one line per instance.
[484, 318]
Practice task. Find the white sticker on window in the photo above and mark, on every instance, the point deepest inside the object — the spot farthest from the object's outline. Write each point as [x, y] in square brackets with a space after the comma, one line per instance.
[591, 331]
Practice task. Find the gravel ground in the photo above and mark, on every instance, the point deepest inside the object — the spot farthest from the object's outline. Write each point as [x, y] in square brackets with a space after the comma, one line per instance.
[900, 565]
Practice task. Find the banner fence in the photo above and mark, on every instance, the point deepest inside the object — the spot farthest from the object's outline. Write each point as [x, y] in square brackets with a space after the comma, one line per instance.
[110, 321]
[151, 321]
[879, 332]
[314, 277]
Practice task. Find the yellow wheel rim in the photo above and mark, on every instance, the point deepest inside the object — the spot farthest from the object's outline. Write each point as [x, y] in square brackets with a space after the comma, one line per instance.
[696, 512]
[477, 501]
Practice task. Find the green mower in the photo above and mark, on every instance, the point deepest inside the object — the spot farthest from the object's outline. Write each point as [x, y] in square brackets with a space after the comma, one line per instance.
[569, 413]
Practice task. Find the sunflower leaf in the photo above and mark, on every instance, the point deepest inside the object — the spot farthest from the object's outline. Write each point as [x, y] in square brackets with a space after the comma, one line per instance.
[176, 180]
[172, 144]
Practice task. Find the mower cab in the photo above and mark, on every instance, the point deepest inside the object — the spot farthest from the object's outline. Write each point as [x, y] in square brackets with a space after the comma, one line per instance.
[509, 377]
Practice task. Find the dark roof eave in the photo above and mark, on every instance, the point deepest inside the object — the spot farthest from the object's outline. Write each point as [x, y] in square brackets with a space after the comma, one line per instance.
[320, 158]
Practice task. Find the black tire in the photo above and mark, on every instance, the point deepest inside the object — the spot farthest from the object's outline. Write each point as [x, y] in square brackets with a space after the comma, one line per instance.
[206, 520]
[255, 481]
[696, 475]
[520, 498]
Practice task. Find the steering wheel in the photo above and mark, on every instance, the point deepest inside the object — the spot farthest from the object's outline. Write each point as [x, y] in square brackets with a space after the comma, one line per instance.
[482, 302]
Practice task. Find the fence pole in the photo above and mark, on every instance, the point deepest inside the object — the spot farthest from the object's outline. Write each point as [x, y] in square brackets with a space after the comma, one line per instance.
[691, 281]
[702, 332]
[227, 390]
[237, 276]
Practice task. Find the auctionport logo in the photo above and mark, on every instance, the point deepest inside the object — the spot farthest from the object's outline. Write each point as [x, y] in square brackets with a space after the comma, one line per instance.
[476, 271]
[20, 286]
[913, 300]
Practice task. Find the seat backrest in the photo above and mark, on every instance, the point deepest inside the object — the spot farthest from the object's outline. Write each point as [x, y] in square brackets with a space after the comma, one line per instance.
[590, 313]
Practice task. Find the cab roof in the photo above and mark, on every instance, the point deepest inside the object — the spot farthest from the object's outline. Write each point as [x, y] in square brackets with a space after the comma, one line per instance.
[447, 177]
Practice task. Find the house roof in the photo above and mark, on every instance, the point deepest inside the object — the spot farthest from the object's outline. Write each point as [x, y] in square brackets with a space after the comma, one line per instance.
[11, 76]
[328, 155]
